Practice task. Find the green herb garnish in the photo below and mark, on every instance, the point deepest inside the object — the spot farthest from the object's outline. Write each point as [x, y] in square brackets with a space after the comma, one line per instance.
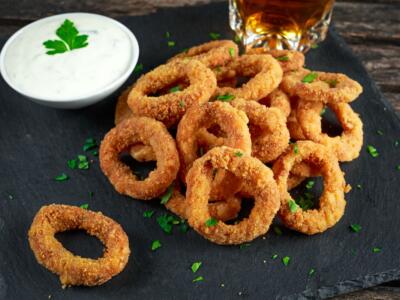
[196, 266]
[295, 148]
[171, 43]
[167, 195]
[243, 246]
[311, 272]
[214, 35]
[379, 132]
[181, 103]
[84, 206]
[277, 230]
[91, 194]
[359, 186]
[148, 213]
[238, 154]
[355, 227]
[167, 35]
[292, 206]
[396, 143]
[69, 39]
[372, 151]
[211, 222]
[286, 260]
[184, 227]
[398, 167]
[155, 245]
[332, 83]
[310, 77]
[61, 177]
[166, 222]
[305, 201]
[275, 256]
[95, 153]
[236, 39]
[225, 98]
[138, 68]
[232, 52]
[197, 279]
[83, 163]
[90, 143]
[376, 249]
[310, 184]
[323, 111]
[175, 89]
[282, 58]
[72, 163]
[314, 46]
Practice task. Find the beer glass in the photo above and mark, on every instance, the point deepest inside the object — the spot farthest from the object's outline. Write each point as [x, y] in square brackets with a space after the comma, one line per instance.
[280, 24]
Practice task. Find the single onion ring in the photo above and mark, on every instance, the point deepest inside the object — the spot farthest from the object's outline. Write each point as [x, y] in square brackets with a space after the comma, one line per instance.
[348, 145]
[331, 203]
[289, 60]
[279, 100]
[212, 54]
[169, 108]
[73, 269]
[257, 181]
[326, 87]
[130, 132]
[232, 121]
[267, 126]
[264, 71]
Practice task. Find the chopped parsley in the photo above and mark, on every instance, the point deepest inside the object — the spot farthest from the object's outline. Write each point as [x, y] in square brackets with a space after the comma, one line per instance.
[167, 34]
[155, 245]
[211, 222]
[95, 152]
[197, 279]
[355, 227]
[167, 195]
[175, 89]
[332, 83]
[292, 206]
[69, 39]
[166, 222]
[90, 143]
[232, 52]
[372, 151]
[282, 58]
[277, 230]
[171, 43]
[196, 266]
[305, 201]
[84, 206]
[359, 186]
[274, 256]
[181, 103]
[83, 163]
[238, 154]
[310, 77]
[225, 98]
[91, 194]
[296, 148]
[379, 132]
[148, 213]
[61, 177]
[314, 46]
[376, 250]
[236, 39]
[286, 260]
[323, 111]
[184, 227]
[311, 272]
[72, 163]
[214, 35]
[310, 184]
[243, 246]
[138, 68]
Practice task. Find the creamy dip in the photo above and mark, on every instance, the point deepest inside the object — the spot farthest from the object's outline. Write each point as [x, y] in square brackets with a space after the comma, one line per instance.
[72, 74]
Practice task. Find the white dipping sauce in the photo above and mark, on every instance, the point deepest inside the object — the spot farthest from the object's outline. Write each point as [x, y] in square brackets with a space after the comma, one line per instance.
[72, 74]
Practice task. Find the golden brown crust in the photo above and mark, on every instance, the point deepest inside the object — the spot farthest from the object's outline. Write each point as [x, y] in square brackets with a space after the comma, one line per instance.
[277, 99]
[73, 269]
[169, 108]
[148, 132]
[331, 203]
[257, 181]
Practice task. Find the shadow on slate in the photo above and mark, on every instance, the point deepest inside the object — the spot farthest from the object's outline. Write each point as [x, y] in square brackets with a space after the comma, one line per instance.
[36, 142]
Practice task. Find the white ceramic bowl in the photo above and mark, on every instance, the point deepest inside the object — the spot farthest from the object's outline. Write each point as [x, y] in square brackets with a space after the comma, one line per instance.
[84, 100]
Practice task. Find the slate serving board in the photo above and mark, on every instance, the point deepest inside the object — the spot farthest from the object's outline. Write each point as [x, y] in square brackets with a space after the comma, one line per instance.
[36, 142]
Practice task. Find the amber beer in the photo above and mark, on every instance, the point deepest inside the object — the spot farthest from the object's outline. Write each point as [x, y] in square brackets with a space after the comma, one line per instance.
[280, 24]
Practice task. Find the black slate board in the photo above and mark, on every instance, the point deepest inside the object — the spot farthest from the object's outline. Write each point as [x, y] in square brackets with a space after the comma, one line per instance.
[36, 142]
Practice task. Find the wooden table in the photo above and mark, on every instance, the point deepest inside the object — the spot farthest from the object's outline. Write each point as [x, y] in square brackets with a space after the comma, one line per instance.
[370, 27]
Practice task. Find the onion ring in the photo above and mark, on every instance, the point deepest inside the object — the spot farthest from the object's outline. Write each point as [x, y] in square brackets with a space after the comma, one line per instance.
[130, 132]
[348, 145]
[296, 133]
[279, 100]
[73, 269]
[212, 54]
[269, 134]
[257, 180]
[265, 75]
[232, 121]
[289, 60]
[331, 203]
[326, 87]
[169, 108]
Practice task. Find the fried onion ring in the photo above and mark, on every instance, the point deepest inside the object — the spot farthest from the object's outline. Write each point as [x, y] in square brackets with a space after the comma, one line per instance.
[148, 132]
[348, 145]
[232, 121]
[289, 60]
[169, 108]
[73, 269]
[265, 75]
[326, 87]
[331, 203]
[279, 100]
[296, 133]
[257, 181]
[212, 54]
[269, 134]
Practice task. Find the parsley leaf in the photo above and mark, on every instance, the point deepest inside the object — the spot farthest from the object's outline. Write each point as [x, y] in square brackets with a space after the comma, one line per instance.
[275, 256]
[166, 221]
[197, 279]
[148, 213]
[332, 83]
[232, 52]
[155, 245]
[70, 39]
[84, 206]
[314, 46]
[372, 151]
[379, 132]
[323, 111]
[238, 154]
[72, 164]
[310, 184]
[311, 272]
[277, 230]
[286, 260]
[196, 266]
[61, 177]
[359, 186]
[214, 35]
[83, 163]
[167, 195]
[211, 222]
[282, 58]
[243, 246]
[90, 143]
[310, 77]
[171, 43]
[181, 103]
[376, 249]
[295, 148]
[355, 227]
[292, 206]
[225, 98]
[138, 68]
[236, 39]
[175, 89]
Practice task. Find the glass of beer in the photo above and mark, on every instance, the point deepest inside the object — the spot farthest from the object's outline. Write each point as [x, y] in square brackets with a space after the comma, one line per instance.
[280, 24]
